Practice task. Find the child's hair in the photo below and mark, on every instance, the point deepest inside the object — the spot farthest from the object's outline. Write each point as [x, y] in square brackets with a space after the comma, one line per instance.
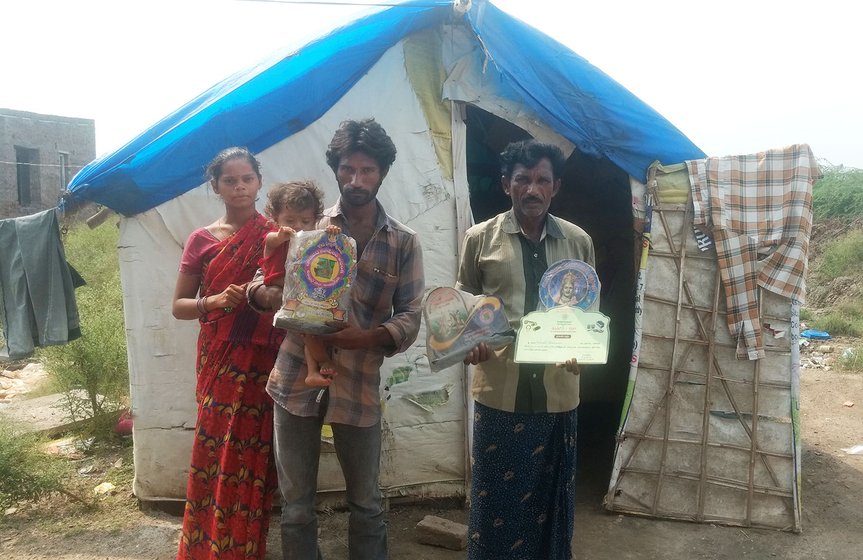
[299, 195]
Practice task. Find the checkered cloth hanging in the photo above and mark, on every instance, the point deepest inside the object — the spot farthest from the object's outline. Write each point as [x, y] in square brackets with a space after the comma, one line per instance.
[758, 208]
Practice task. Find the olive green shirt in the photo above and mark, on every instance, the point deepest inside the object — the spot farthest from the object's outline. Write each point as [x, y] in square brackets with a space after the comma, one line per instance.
[494, 262]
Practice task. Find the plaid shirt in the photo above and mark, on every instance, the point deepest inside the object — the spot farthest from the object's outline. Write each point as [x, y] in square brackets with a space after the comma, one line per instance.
[388, 291]
[759, 208]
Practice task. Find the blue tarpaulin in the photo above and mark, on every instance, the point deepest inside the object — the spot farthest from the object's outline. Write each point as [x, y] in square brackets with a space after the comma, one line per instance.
[816, 335]
[279, 97]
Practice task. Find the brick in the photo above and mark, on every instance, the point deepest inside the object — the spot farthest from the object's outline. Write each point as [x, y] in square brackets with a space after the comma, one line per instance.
[438, 531]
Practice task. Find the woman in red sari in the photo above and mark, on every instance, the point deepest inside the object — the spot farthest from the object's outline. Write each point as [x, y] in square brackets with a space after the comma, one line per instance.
[232, 475]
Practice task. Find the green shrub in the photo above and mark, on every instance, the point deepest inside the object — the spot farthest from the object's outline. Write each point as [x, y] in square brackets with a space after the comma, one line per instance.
[842, 257]
[839, 194]
[92, 371]
[26, 473]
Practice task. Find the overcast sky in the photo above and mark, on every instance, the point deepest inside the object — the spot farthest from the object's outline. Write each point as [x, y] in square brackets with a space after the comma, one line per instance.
[736, 76]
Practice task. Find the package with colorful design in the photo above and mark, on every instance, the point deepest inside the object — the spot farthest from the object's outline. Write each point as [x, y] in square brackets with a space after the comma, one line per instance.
[457, 321]
[319, 272]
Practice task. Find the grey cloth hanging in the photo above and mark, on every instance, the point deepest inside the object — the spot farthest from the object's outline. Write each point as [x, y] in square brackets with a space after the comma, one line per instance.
[37, 297]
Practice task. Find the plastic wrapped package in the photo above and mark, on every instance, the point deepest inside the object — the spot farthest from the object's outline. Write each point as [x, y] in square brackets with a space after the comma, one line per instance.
[456, 321]
[319, 272]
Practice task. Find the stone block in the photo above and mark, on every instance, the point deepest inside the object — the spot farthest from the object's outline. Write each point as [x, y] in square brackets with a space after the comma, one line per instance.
[438, 531]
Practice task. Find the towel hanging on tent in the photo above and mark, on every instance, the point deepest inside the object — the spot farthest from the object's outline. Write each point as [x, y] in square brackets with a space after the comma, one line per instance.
[37, 297]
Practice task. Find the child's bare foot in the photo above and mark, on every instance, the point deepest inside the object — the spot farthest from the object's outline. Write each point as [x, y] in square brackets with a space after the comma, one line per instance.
[319, 378]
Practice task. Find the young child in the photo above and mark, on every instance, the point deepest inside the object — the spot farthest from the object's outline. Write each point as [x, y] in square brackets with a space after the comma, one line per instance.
[296, 206]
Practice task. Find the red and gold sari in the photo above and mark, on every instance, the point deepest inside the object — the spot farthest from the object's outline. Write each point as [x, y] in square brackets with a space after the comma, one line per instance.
[232, 476]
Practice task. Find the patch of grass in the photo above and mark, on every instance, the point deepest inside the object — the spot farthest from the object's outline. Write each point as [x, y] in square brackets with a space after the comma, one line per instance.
[843, 320]
[122, 475]
[61, 516]
[842, 257]
[806, 314]
[27, 474]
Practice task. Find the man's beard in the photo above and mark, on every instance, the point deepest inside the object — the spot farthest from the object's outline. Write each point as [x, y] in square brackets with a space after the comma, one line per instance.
[358, 196]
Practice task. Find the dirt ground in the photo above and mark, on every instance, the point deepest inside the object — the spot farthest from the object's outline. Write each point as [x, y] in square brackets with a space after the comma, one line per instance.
[832, 507]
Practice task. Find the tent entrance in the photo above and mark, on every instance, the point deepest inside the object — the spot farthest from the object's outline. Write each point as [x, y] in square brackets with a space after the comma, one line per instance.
[595, 194]
[486, 137]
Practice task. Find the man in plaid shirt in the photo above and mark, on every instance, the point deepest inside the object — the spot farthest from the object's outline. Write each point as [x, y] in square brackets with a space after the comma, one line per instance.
[384, 319]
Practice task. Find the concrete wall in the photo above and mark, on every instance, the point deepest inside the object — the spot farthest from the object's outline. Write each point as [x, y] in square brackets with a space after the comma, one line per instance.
[41, 139]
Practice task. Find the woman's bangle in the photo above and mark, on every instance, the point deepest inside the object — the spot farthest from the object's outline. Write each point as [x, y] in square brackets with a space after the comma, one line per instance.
[201, 305]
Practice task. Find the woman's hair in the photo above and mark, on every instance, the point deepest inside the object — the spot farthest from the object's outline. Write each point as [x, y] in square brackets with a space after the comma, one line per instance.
[529, 153]
[365, 136]
[298, 195]
[214, 168]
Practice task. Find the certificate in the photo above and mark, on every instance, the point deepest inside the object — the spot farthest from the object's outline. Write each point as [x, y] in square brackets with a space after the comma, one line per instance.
[561, 333]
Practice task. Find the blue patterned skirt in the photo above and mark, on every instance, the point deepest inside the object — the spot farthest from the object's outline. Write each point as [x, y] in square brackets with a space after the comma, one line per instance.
[523, 488]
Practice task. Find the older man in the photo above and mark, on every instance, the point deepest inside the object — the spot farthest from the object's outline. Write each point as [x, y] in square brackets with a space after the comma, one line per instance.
[523, 484]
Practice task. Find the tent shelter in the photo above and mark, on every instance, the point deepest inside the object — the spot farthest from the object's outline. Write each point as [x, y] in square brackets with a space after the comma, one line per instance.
[452, 83]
